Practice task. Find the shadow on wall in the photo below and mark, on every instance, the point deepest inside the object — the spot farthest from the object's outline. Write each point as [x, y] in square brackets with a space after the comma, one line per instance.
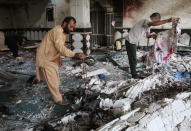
[25, 14]
[31, 14]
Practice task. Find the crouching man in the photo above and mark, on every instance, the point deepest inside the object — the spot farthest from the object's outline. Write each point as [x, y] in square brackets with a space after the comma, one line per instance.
[48, 56]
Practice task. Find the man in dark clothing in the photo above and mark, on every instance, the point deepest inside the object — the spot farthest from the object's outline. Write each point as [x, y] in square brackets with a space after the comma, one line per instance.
[13, 41]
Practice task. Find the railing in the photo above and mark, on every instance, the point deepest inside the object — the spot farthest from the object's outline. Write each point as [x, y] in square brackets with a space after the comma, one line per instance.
[35, 34]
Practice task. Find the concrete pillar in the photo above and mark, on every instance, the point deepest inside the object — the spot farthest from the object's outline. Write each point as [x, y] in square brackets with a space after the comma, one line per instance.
[80, 9]
[109, 29]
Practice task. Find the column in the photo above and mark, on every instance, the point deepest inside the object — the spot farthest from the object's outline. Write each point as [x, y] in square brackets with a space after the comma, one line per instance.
[80, 9]
[109, 29]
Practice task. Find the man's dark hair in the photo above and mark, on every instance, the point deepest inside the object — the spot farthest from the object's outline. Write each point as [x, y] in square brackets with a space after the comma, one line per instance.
[156, 15]
[68, 19]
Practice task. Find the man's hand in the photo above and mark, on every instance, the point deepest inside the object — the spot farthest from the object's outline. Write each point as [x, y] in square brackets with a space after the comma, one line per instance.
[172, 19]
[80, 55]
[60, 62]
[148, 35]
[154, 36]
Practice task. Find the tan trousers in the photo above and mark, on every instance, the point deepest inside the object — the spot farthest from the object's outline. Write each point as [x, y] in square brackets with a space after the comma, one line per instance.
[52, 79]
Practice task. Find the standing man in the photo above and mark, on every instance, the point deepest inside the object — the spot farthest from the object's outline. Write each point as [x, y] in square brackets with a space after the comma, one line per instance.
[48, 55]
[135, 34]
[14, 41]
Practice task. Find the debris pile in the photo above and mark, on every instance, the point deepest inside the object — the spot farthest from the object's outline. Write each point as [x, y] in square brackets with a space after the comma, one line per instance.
[108, 100]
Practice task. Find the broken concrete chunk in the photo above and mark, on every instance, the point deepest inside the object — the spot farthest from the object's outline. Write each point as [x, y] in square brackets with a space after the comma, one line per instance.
[96, 88]
[98, 82]
[120, 103]
[78, 70]
[111, 83]
[106, 104]
[67, 68]
[95, 81]
[153, 107]
[92, 81]
[136, 117]
[68, 118]
[185, 125]
[185, 40]
[168, 117]
[65, 120]
[123, 104]
[183, 95]
[181, 68]
[122, 121]
[126, 116]
[156, 125]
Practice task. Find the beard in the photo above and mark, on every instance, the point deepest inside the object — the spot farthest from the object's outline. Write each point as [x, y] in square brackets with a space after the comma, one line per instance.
[66, 30]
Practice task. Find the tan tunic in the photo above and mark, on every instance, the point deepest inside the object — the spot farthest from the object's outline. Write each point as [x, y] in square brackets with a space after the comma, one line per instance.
[49, 51]
[52, 44]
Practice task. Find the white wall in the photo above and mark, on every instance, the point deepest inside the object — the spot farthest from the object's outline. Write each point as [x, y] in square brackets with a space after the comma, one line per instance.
[80, 9]
[167, 8]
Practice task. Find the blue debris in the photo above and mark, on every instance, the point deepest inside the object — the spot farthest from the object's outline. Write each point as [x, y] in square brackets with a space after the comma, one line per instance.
[180, 75]
[169, 68]
[101, 76]
[28, 63]
[112, 55]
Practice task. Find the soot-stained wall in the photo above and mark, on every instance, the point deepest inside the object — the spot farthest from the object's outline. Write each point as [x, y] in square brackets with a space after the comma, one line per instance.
[32, 14]
[134, 10]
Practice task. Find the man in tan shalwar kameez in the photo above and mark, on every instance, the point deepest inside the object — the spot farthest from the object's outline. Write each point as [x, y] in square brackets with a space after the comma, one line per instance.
[48, 55]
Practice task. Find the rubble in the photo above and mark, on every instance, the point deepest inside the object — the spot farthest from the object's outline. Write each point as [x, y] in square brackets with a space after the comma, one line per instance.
[116, 102]
[70, 118]
[119, 123]
[185, 40]
[168, 117]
